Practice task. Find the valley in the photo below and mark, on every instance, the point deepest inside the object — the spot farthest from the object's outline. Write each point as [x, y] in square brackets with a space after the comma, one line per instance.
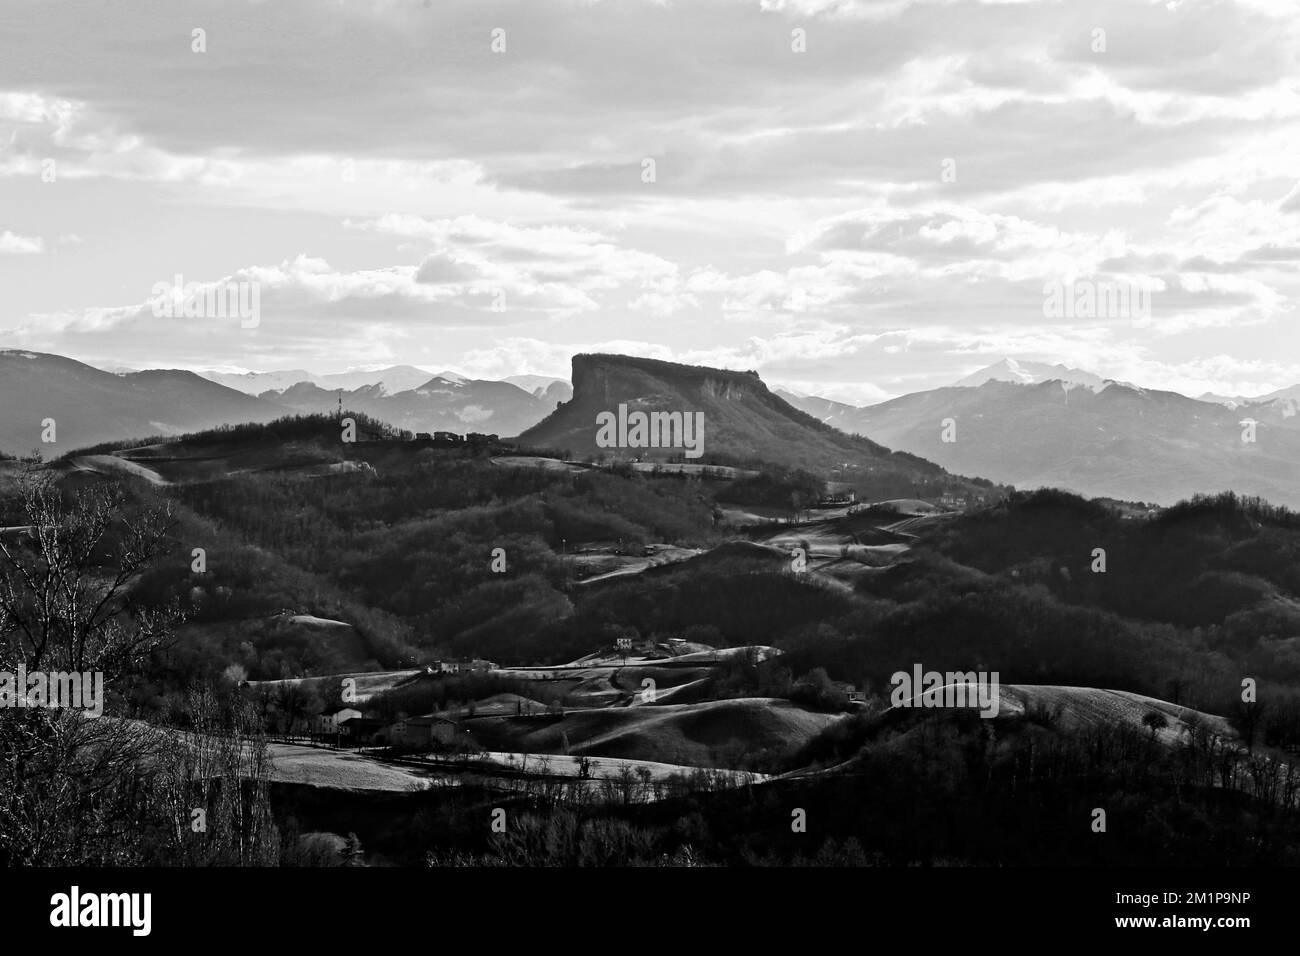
[424, 628]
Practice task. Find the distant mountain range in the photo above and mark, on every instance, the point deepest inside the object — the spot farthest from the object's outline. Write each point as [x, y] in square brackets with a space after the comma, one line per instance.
[437, 404]
[1289, 394]
[412, 398]
[395, 378]
[90, 405]
[1015, 424]
[850, 418]
[549, 390]
[1021, 372]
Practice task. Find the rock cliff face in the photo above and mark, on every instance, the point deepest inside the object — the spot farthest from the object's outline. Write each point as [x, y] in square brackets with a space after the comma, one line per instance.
[603, 377]
[744, 423]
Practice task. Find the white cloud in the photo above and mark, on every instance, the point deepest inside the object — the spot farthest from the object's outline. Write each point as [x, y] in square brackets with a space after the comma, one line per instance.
[20, 245]
[799, 220]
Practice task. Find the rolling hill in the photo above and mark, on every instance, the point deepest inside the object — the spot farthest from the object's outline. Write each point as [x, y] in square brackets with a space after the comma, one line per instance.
[690, 734]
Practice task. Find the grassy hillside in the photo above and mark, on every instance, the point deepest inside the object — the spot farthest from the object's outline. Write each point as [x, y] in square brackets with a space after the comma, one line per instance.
[713, 734]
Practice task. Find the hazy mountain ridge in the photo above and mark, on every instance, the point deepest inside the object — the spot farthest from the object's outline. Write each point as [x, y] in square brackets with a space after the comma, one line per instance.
[436, 404]
[376, 392]
[1282, 398]
[1122, 442]
[545, 387]
[1110, 440]
[89, 405]
[1024, 372]
[825, 410]
[396, 378]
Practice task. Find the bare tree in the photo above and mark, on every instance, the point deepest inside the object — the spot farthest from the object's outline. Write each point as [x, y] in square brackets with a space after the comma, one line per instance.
[1153, 720]
[1248, 716]
[214, 782]
[292, 699]
[82, 790]
[65, 590]
[351, 853]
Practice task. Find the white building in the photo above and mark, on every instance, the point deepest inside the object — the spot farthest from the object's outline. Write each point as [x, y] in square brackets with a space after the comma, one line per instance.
[327, 722]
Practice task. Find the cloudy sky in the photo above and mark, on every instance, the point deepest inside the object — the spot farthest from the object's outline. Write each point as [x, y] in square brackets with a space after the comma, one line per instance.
[858, 198]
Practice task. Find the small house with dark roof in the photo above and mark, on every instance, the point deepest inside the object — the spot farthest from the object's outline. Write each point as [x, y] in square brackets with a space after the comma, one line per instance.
[360, 731]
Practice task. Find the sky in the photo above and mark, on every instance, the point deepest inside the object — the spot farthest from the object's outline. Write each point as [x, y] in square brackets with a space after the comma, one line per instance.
[856, 198]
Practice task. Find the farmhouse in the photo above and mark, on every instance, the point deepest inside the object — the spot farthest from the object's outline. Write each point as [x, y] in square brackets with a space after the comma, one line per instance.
[422, 732]
[359, 731]
[837, 499]
[851, 694]
[475, 666]
[327, 722]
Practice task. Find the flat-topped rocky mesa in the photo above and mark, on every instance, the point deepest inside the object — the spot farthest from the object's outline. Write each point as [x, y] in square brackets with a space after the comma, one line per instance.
[745, 424]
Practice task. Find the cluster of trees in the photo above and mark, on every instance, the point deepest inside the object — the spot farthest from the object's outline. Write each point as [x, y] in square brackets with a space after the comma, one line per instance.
[741, 677]
[791, 488]
[281, 431]
[921, 790]
[744, 598]
[1190, 601]
[1195, 564]
[417, 543]
[566, 838]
